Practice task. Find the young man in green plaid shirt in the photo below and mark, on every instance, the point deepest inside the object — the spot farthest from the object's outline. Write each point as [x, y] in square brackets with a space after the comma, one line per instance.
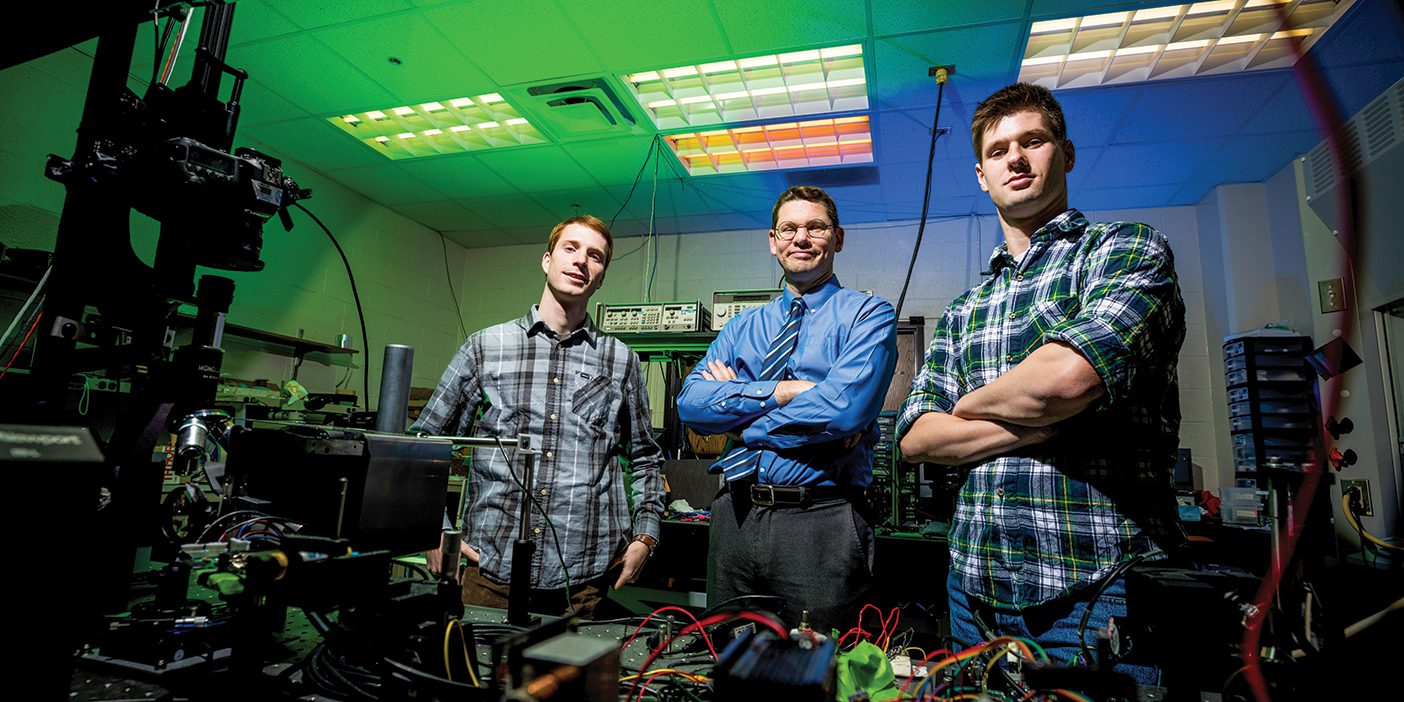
[1052, 384]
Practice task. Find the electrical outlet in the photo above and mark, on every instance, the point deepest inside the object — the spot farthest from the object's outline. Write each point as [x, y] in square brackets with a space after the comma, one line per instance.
[1367, 507]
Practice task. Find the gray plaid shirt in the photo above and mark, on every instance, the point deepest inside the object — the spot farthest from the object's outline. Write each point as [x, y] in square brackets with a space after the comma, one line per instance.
[583, 401]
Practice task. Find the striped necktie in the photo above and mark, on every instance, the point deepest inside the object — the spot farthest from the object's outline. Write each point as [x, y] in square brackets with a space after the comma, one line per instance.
[741, 461]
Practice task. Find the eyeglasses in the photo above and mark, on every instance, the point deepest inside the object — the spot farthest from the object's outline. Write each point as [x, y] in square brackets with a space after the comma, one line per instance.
[816, 229]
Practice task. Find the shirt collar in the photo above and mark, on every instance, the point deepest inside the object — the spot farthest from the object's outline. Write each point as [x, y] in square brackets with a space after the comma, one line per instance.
[1070, 221]
[534, 324]
[814, 298]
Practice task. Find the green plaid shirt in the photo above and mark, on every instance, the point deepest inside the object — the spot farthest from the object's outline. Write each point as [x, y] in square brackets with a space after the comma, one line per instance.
[1045, 521]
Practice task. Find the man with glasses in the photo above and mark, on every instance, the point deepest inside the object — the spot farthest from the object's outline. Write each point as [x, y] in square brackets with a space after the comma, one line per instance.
[797, 385]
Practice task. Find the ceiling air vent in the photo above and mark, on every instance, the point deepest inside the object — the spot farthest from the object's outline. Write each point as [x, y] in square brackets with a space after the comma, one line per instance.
[586, 108]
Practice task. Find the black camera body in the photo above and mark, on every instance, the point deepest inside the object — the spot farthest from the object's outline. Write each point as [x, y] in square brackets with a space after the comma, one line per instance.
[218, 202]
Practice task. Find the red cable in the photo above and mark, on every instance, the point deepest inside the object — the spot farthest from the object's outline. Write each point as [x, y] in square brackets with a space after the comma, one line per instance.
[924, 661]
[654, 613]
[1328, 120]
[32, 327]
[714, 619]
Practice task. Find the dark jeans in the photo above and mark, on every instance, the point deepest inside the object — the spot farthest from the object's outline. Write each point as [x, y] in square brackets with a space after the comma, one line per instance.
[1052, 624]
[818, 558]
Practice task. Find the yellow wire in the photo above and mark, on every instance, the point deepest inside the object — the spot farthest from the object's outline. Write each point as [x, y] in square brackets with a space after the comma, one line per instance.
[1350, 517]
[958, 658]
[914, 648]
[667, 671]
[448, 633]
[984, 679]
[467, 660]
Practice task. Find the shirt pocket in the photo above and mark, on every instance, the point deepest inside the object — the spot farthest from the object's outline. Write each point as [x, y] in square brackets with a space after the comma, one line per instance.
[596, 401]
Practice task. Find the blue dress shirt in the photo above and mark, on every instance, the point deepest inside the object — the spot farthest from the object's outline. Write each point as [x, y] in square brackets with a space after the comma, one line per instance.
[847, 346]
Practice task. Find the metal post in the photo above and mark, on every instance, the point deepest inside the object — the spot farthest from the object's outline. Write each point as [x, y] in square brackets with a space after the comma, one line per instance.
[523, 550]
[394, 389]
[449, 552]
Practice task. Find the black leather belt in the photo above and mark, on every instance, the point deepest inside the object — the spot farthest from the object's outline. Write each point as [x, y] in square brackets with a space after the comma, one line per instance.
[772, 495]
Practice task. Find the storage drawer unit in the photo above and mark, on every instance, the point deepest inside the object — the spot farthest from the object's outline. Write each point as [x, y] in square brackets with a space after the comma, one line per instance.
[1273, 407]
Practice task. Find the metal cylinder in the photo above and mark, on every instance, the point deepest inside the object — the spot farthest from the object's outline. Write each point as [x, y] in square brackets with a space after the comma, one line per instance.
[449, 553]
[394, 389]
[190, 438]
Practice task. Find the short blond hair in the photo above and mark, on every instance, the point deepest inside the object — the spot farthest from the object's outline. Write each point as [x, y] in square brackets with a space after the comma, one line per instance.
[590, 221]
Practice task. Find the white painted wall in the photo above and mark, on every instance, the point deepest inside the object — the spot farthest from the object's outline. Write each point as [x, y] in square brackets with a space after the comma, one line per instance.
[503, 281]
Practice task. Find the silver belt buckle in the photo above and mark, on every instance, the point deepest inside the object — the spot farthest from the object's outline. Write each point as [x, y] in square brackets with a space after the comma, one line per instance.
[763, 501]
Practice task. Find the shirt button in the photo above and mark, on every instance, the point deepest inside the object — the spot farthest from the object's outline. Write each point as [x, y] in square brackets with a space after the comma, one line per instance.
[550, 454]
[762, 470]
[553, 415]
[999, 492]
[543, 491]
[1020, 276]
[1011, 315]
[556, 380]
[537, 530]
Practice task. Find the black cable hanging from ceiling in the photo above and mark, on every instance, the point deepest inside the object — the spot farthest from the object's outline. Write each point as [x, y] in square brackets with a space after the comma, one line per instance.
[926, 192]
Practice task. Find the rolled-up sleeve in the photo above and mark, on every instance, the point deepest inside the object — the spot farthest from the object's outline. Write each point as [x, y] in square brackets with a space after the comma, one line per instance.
[1130, 306]
[936, 386]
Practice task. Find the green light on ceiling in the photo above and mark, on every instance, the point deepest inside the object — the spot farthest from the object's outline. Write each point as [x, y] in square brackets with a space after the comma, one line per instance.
[798, 83]
[455, 126]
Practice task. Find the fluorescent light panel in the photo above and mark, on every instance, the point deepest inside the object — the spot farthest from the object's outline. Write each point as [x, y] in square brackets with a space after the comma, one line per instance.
[821, 142]
[447, 126]
[1176, 41]
[777, 86]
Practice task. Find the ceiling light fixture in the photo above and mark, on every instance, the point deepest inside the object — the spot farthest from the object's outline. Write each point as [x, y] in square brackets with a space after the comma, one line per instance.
[822, 142]
[440, 127]
[1177, 41]
[777, 86]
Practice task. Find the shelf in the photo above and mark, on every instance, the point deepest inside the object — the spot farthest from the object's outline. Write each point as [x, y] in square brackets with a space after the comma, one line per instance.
[301, 346]
[665, 344]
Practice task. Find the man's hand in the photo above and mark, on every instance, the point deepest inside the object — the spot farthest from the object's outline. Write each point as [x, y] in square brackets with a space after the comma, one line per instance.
[785, 390]
[634, 559]
[716, 370]
[435, 562]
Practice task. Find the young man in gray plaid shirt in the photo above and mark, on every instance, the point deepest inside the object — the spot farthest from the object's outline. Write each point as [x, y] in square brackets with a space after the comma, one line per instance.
[581, 396]
[1052, 383]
